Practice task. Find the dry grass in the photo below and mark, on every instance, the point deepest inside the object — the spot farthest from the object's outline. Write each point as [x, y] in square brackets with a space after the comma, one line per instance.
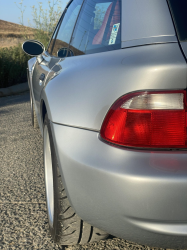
[8, 27]
[10, 42]
[11, 33]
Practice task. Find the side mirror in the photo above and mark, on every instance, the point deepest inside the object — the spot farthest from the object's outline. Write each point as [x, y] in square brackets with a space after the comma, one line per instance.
[33, 48]
[70, 53]
[63, 51]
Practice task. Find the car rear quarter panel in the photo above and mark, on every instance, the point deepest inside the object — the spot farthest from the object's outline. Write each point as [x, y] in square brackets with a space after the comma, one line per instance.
[133, 194]
[146, 22]
[82, 93]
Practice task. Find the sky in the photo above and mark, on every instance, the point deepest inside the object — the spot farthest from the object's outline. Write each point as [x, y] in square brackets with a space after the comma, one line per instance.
[10, 12]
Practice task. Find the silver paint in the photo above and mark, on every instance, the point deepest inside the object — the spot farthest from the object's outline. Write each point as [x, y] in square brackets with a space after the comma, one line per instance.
[138, 195]
[87, 86]
[45, 67]
[148, 41]
[145, 19]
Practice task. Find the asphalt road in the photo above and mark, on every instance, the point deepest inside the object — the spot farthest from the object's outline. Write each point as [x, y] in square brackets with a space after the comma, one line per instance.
[23, 216]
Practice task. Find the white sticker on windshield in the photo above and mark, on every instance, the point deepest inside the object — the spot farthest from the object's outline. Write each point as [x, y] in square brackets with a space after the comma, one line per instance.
[114, 33]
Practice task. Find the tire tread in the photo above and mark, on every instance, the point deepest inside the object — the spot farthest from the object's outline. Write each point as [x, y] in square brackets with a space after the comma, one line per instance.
[76, 230]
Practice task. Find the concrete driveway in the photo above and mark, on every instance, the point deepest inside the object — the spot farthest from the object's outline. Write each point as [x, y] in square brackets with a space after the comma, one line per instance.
[23, 216]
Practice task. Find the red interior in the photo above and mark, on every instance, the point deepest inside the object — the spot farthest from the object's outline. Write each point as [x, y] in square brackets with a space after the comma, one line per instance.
[115, 19]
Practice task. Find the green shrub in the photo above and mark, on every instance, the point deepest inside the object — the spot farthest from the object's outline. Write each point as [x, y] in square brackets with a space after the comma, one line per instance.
[42, 36]
[13, 61]
[13, 64]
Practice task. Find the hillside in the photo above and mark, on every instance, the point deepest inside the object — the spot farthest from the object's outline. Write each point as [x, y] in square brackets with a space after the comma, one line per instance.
[11, 33]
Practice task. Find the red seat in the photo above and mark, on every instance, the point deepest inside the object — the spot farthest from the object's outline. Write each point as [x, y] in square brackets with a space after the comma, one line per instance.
[115, 19]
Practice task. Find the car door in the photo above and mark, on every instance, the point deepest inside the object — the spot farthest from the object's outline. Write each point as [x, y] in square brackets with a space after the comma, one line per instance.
[41, 71]
[57, 50]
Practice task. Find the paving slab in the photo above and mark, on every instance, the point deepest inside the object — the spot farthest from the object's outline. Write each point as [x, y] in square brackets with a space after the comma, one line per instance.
[14, 90]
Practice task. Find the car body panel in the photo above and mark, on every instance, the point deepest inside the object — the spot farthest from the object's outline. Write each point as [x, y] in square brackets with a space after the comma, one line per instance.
[149, 41]
[48, 68]
[30, 67]
[87, 86]
[146, 19]
[31, 63]
[139, 195]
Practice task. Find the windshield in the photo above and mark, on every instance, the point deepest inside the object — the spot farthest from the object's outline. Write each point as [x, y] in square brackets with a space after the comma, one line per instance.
[179, 12]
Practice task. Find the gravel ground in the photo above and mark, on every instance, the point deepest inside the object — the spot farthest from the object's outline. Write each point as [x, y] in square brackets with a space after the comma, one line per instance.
[23, 216]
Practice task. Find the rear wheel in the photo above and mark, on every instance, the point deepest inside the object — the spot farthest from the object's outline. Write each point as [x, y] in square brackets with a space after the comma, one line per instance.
[33, 113]
[65, 226]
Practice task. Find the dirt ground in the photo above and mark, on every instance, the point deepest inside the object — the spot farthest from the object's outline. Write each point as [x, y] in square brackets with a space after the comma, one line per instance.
[11, 34]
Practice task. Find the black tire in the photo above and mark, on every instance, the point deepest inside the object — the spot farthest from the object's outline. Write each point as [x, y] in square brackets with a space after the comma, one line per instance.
[68, 228]
[34, 120]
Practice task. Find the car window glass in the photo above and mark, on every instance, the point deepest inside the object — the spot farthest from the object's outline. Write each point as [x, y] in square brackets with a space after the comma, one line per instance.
[66, 28]
[98, 27]
[50, 46]
[179, 12]
[100, 10]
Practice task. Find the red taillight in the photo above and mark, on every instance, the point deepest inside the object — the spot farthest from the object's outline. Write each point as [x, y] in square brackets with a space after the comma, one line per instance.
[147, 119]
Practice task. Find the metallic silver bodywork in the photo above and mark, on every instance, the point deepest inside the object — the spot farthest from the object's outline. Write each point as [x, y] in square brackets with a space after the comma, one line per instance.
[146, 22]
[149, 40]
[47, 67]
[85, 98]
[139, 195]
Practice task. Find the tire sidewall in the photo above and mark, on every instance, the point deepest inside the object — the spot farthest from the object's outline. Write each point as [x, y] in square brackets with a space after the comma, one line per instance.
[53, 229]
[32, 109]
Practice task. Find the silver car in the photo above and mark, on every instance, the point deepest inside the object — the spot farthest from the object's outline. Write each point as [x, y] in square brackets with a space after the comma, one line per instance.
[109, 96]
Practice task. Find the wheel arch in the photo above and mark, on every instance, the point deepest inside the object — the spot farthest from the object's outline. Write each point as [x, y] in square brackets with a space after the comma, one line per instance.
[44, 108]
[43, 111]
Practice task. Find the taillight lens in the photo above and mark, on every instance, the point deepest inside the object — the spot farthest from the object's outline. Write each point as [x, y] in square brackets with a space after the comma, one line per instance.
[147, 119]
